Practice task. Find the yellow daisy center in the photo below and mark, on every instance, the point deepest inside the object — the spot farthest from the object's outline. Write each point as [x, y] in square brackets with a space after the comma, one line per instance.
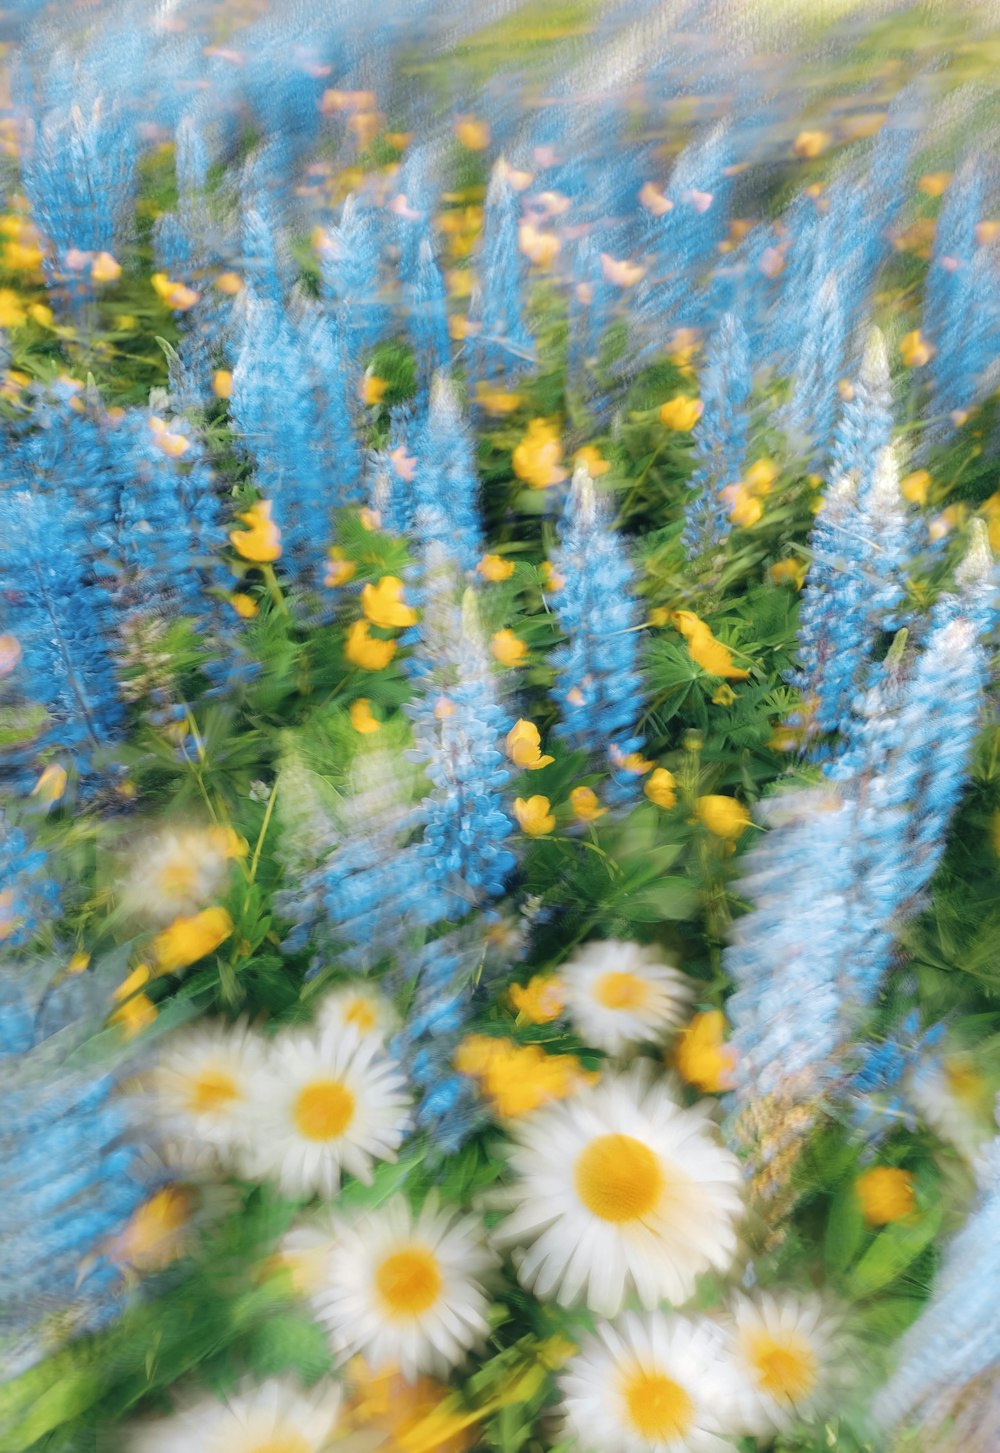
[323, 1110]
[211, 1090]
[409, 1281]
[621, 990]
[283, 1443]
[618, 1178]
[178, 879]
[785, 1369]
[361, 1014]
[658, 1408]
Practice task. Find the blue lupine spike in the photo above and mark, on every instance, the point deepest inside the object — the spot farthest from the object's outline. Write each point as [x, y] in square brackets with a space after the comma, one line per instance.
[28, 899]
[323, 344]
[965, 365]
[428, 317]
[79, 172]
[813, 406]
[853, 588]
[73, 1174]
[502, 346]
[463, 848]
[350, 270]
[865, 423]
[190, 156]
[598, 681]
[720, 436]
[807, 263]
[954, 243]
[446, 486]
[55, 610]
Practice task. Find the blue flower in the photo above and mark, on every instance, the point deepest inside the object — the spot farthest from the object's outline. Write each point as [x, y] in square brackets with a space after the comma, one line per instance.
[720, 436]
[502, 347]
[598, 681]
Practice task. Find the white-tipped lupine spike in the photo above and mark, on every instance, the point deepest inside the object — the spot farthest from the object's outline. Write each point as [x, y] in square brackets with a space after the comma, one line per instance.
[874, 370]
[885, 495]
[979, 562]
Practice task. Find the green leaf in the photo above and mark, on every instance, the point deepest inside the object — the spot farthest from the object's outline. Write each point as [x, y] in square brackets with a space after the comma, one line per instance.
[667, 898]
[289, 1342]
[845, 1230]
[892, 1251]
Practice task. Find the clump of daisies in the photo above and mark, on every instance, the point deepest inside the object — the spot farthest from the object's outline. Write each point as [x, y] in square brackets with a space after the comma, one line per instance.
[661, 1382]
[299, 1108]
[619, 1190]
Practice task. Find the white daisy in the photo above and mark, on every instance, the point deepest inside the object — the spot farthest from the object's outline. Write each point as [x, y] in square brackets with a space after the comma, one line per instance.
[952, 1098]
[620, 1188]
[179, 872]
[654, 1383]
[305, 1253]
[277, 1416]
[201, 1088]
[405, 1290]
[621, 994]
[328, 1102]
[781, 1347]
[359, 1006]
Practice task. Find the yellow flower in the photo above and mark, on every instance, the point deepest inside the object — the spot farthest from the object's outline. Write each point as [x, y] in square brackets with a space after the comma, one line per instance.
[370, 519]
[78, 963]
[10, 653]
[538, 457]
[228, 842]
[987, 232]
[788, 572]
[496, 401]
[261, 542]
[701, 1056]
[539, 1001]
[724, 695]
[914, 350]
[187, 940]
[633, 762]
[538, 246]
[244, 605]
[590, 456]
[517, 1079]
[229, 283]
[620, 272]
[681, 412]
[809, 144]
[22, 257]
[886, 1194]
[362, 719]
[661, 788]
[339, 570]
[586, 804]
[104, 269]
[723, 816]
[760, 477]
[177, 296]
[524, 746]
[933, 184]
[708, 653]
[135, 1015]
[12, 314]
[384, 606]
[472, 133]
[552, 581]
[156, 1233]
[534, 815]
[373, 389]
[222, 383]
[363, 649]
[507, 648]
[915, 486]
[495, 567]
[745, 509]
[51, 784]
[40, 314]
[173, 445]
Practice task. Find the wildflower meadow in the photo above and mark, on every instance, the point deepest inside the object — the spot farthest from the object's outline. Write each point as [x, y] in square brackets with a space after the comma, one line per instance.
[500, 813]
